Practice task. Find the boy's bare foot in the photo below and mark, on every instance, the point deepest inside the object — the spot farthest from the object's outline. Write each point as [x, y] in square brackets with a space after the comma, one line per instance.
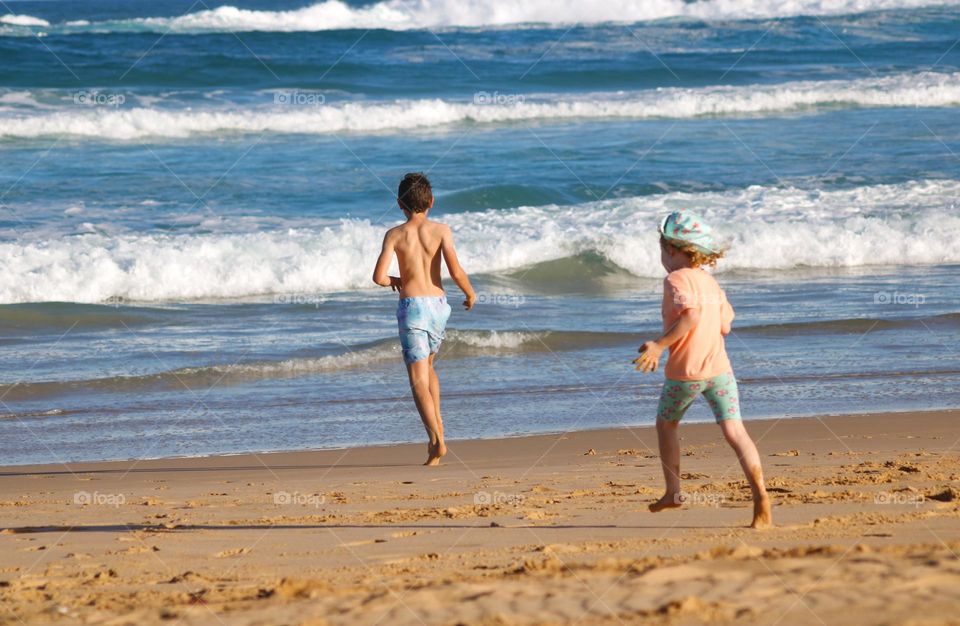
[435, 453]
[668, 501]
[762, 518]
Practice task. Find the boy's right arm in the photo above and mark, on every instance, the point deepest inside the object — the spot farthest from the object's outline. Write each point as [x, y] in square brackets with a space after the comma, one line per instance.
[457, 273]
[383, 266]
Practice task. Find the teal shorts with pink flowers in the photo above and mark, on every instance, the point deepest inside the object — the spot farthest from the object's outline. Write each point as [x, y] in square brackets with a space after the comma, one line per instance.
[720, 392]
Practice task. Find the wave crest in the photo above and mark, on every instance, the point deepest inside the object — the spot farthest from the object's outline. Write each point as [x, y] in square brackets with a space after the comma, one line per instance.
[769, 227]
[926, 89]
[421, 14]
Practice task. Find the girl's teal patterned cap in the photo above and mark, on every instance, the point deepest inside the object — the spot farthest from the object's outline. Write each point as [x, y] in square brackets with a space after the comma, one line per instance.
[684, 227]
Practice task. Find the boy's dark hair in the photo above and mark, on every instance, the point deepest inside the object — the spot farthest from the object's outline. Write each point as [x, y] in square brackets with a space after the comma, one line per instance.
[415, 193]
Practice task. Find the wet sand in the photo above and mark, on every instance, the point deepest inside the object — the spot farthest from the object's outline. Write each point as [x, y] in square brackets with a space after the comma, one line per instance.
[547, 529]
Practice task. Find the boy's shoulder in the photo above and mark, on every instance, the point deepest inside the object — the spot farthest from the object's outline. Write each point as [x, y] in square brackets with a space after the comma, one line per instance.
[439, 227]
[436, 227]
[437, 224]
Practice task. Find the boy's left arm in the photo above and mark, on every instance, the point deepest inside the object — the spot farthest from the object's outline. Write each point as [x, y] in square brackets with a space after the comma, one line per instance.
[383, 266]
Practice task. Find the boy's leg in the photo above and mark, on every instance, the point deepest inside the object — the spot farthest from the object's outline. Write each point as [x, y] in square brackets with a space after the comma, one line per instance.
[419, 373]
[435, 394]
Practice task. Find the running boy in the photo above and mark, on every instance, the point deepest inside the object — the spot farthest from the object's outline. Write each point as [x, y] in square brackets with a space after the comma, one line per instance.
[696, 317]
[423, 311]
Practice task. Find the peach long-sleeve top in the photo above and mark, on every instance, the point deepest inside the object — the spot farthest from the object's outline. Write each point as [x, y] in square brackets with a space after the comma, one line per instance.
[701, 353]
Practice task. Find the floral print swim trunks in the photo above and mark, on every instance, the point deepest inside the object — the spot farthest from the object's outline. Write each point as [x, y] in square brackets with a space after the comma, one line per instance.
[720, 393]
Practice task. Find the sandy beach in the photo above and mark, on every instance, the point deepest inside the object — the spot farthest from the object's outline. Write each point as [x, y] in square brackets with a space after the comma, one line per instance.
[533, 530]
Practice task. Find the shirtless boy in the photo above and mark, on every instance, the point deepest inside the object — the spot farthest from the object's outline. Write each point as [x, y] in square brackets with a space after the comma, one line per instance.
[423, 311]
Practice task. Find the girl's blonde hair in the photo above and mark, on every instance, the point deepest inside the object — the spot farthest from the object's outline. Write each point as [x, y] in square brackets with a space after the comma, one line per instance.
[697, 258]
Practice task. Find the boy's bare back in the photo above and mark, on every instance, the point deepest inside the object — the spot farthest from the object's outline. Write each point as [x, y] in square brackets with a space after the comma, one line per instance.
[418, 245]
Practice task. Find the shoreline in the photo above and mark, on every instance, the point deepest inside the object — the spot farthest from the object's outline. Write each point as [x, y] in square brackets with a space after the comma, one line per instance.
[5, 469]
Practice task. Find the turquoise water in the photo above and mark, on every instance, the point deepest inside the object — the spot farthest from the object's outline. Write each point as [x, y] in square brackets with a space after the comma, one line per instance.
[191, 203]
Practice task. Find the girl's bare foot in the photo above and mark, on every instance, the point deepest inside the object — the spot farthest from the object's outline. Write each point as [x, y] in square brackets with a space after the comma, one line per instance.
[762, 518]
[668, 501]
[435, 452]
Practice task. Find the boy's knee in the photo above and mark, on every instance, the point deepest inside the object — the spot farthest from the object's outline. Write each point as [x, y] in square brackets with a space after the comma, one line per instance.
[419, 372]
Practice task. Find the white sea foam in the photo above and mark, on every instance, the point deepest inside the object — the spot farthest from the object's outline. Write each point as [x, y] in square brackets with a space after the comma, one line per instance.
[418, 14]
[482, 341]
[926, 89]
[295, 367]
[22, 20]
[492, 340]
[768, 227]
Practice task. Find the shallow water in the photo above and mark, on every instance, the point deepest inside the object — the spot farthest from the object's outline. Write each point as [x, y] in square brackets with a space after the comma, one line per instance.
[188, 222]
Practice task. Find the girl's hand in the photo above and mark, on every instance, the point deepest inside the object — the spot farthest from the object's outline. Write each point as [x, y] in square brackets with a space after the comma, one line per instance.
[649, 357]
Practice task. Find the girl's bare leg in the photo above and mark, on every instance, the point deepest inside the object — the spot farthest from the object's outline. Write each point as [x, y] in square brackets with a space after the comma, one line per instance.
[738, 438]
[669, 441]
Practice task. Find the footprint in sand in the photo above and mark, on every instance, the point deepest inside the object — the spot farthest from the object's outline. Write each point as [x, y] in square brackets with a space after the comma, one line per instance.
[223, 554]
[559, 548]
[140, 549]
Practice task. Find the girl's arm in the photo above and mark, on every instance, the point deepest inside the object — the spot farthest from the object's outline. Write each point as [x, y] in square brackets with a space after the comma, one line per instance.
[650, 351]
[726, 317]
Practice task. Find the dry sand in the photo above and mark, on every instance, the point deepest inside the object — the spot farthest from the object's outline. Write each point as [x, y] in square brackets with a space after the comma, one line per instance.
[533, 530]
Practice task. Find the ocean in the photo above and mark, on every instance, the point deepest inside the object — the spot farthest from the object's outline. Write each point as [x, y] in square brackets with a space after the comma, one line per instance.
[193, 194]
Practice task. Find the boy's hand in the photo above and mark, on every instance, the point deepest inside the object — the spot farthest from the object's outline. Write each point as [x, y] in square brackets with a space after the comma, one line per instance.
[470, 301]
[649, 357]
[395, 283]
